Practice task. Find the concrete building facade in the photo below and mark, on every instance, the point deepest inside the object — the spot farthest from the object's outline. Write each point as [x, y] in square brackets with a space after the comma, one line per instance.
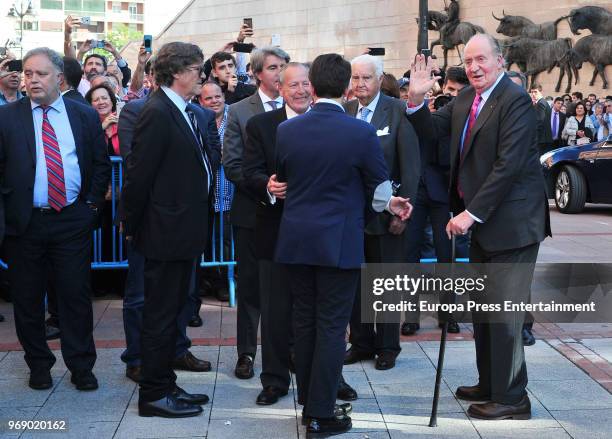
[307, 29]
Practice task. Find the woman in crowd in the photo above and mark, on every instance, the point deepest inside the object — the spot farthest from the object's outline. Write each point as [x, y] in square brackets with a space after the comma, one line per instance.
[578, 126]
[103, 100]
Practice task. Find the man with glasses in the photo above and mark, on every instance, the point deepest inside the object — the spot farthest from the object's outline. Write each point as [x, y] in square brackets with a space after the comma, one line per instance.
[166, 203]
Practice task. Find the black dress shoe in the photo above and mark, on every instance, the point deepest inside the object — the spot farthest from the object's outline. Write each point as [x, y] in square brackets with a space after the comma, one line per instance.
[40, 380]
[324, 427]
[453, 327]
[84, 380]
[528, 338]
[472, 393]
[244, 367]
[190, 398]
[353, 356]
[191, 363]
[345, 392]
[410, 328]
[269, 395]
[168, 407]
[495, 411]
[339, 410]
[222, 294]
[51, 332]
[385, 360]
[195, 322]
[134, 373]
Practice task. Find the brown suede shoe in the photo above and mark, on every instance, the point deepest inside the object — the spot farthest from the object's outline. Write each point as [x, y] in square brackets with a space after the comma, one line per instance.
[471, 393]
[495, 411]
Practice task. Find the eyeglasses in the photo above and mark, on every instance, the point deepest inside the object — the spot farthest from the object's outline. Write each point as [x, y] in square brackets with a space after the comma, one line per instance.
[199, 69]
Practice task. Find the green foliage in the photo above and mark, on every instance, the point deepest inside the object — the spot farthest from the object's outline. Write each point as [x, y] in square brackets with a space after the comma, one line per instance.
[122, 34]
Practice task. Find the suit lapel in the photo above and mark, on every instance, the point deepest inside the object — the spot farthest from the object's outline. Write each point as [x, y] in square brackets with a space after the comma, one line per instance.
[28, 125]
[484, 115]
[461, 112]
[183, 125]
[75, 125]
[257, 105]
[379, 118]
[351, 107]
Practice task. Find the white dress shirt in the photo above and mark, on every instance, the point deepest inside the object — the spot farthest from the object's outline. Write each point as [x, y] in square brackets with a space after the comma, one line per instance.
[265, 99]
[58, 118]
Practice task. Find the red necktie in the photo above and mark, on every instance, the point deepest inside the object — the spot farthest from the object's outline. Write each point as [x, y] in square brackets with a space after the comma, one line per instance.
[468, 131]
[471, 120]
[55, 168]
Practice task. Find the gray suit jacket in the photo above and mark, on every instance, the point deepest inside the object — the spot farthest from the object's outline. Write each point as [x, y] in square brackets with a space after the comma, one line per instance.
[244, 203]
[400, 148]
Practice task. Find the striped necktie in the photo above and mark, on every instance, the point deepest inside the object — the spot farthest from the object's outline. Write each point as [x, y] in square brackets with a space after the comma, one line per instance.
[198, 136]
[55, 168]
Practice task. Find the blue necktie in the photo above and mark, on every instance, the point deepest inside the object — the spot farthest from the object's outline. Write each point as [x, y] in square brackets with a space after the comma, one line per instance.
[365, 111]
[554, 125]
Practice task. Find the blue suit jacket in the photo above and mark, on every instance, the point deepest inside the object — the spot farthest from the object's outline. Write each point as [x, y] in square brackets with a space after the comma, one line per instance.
[332, 164]
[18, 160]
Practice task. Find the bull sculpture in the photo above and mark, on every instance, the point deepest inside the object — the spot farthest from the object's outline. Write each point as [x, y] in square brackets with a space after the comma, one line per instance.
[595, 49]
[594, 18]
[518, 26]
[534, 56]
[453, 32]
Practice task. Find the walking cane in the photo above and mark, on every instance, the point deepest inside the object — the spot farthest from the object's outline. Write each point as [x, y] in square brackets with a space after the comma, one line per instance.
[433, 420]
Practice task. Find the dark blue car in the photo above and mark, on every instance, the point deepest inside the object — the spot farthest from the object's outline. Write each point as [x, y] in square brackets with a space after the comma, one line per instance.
[576, 175]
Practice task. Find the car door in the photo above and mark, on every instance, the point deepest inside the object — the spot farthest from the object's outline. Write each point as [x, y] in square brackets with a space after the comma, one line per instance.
[601, 187]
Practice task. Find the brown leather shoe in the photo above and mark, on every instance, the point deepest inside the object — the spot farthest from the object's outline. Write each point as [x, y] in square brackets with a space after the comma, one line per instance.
[191, 363]
[471, 393]
[134, 373]
[495, 411]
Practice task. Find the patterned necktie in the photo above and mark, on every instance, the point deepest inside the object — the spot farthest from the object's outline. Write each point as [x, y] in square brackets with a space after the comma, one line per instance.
[554, 125]
[365, 111]
[55, 168]
[273, 104]
[198, 136]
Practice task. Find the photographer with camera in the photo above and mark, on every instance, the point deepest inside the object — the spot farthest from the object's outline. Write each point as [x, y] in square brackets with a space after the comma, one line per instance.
[10, 79]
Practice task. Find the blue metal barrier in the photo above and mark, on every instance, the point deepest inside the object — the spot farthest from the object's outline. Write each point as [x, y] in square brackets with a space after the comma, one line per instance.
[118, 255]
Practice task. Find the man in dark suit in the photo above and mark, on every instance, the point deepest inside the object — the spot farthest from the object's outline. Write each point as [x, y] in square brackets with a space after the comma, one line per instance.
[384, 234]
[54, 173]
[72, 77]
[166, 203]
[496, 190]
[133, 298]
[267, 63]
[260, 172]
[556, 123]
[543, 111]
[322, 229]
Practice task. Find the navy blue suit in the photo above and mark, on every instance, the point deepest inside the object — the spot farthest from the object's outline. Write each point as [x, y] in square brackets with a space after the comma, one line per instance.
[39, 238]
[332, 164]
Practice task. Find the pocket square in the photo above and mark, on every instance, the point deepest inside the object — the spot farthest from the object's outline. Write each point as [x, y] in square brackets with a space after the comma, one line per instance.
[383, 132]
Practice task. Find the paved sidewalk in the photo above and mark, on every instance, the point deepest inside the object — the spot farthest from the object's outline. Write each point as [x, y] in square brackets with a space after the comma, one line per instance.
[566, 402]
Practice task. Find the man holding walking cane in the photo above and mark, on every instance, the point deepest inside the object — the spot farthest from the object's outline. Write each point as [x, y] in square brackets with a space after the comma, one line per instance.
[496, 190]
